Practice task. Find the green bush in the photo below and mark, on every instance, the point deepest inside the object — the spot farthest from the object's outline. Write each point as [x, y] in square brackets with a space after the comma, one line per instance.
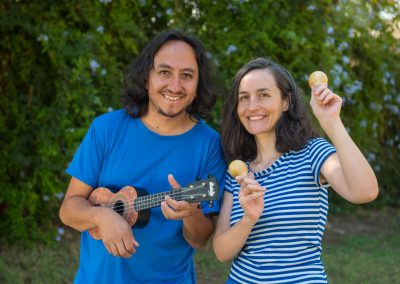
[62, 63]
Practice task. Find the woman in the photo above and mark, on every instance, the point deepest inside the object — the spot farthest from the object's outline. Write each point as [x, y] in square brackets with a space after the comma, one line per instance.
[272, 219]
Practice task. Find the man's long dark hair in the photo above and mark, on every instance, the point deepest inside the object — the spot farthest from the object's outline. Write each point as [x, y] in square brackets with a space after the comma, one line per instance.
[293, 130]
[135, 97]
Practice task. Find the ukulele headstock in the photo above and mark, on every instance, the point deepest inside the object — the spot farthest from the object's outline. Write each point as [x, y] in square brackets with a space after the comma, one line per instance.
[201, 190]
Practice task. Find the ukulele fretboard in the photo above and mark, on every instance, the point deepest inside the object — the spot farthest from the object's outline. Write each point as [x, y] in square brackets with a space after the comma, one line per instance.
[154, 200]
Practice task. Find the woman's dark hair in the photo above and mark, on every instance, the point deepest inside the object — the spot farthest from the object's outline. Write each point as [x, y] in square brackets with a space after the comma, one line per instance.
[293, 129]
[135, 97]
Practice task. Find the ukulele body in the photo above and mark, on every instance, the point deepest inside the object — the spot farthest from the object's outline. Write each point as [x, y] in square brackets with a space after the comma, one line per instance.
[122, 203]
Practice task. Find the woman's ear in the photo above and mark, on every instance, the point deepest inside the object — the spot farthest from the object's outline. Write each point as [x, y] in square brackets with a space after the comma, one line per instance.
[286, 104]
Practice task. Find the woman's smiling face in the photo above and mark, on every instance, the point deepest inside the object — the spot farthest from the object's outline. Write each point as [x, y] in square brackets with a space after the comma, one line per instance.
[260, 103]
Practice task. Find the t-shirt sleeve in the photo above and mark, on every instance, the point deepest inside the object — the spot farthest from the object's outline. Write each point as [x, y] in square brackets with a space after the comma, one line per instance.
[87, 161]
[216, 166]
[229, 182]
[319, 150]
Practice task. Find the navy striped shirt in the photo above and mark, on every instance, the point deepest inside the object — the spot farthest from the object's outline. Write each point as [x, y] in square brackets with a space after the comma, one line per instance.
[284, 246]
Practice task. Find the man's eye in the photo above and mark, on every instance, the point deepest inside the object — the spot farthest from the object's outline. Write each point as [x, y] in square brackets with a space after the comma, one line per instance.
[187, 76]
[163, 72]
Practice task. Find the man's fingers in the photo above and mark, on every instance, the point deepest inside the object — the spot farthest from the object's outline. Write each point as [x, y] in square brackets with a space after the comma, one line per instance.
[130, 244]
[171, 202]
[173, 182]
[172, 208]
[121, 249]
[176, 205]
[166, 210]
[108, 248]
[113, 249]
[177, 210]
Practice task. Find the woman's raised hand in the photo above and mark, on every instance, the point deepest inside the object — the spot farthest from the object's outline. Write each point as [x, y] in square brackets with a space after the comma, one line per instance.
[324, 103]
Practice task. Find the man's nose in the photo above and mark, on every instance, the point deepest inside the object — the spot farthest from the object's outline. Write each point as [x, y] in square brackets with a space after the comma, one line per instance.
[175, 84]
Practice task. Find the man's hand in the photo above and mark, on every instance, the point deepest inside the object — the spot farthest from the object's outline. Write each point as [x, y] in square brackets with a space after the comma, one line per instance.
[177, 210]
[117, 234]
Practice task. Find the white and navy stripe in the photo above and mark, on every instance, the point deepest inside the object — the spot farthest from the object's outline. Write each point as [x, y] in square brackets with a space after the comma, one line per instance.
[285, 244]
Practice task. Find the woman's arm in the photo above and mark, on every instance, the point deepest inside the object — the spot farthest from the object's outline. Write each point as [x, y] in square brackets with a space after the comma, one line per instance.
[348, 172]
[228, 241]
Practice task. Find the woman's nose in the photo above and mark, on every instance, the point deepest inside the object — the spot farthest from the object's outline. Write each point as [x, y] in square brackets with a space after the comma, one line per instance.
[253, 103]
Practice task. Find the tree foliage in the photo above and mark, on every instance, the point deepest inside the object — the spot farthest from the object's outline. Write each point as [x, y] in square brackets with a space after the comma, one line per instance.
[62, 64]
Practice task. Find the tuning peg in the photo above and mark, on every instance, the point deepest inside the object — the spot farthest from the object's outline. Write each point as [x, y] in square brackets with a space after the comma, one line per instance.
[211, 203]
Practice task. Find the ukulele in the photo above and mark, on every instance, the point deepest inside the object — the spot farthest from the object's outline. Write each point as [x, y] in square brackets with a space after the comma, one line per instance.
[134, 204]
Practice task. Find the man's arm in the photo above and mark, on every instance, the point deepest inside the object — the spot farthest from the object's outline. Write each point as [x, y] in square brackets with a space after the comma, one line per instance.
[78, 213]
[197, 228]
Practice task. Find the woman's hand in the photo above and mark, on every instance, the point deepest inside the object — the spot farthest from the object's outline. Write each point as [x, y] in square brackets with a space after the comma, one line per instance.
[324, 103]
[251, 198]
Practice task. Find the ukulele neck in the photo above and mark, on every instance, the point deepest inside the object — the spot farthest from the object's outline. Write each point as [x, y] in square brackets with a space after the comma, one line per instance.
[154, 200]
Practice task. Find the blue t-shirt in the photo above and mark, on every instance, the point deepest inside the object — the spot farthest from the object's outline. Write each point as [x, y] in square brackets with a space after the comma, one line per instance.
[284, 246]
[119, 150]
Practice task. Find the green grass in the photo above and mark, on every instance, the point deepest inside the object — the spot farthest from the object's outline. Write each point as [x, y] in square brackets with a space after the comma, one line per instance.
[362, 248]
[359, 249]
[41, 263]
[365, 259]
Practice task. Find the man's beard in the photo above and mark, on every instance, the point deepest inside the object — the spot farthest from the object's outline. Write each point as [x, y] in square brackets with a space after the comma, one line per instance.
[173, 115]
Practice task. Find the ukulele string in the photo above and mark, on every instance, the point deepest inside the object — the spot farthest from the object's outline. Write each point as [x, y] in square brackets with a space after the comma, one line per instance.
[153, 199]
[144, 204]
[144, 201]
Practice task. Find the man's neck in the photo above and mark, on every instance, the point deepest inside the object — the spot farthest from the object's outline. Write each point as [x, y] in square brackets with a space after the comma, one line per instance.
[165, 125]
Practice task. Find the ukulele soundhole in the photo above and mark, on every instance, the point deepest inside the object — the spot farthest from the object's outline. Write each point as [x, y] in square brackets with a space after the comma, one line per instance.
[119, 207]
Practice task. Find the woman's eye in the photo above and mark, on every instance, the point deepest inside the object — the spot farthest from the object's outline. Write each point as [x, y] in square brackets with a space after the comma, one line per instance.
[242, 98]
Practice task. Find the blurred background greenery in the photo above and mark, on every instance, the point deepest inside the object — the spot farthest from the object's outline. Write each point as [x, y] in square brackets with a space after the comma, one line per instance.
[62, 64]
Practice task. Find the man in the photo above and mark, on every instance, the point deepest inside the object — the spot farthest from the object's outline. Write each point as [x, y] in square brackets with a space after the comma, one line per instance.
[159, 138]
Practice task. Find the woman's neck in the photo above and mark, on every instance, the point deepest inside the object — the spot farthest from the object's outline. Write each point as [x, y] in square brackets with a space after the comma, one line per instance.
[266, 153]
